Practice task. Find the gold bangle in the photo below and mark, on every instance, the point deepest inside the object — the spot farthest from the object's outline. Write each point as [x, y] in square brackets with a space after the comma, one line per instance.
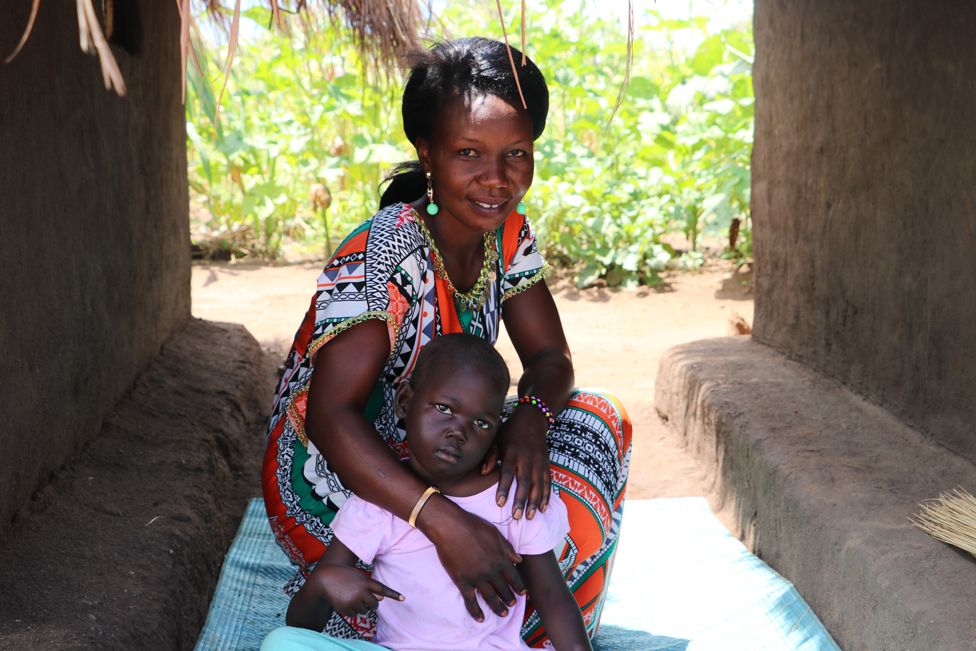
[420, 504]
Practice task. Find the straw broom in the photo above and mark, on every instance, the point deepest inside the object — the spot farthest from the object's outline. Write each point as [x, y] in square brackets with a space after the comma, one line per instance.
[950, 518]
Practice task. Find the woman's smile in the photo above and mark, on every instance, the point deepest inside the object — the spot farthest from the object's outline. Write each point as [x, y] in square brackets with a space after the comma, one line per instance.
[491, 209]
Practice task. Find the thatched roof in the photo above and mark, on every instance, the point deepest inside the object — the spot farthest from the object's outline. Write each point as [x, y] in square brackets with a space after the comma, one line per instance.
[385, 30]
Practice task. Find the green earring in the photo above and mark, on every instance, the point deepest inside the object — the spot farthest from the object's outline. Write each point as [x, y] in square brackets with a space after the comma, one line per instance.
[520, 208]
[432, 208]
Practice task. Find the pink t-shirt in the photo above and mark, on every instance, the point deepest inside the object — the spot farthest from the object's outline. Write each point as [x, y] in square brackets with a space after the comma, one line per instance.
[432, 617]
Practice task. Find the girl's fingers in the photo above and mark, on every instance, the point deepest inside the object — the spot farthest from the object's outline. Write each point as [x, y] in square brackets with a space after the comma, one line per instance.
[379, 590]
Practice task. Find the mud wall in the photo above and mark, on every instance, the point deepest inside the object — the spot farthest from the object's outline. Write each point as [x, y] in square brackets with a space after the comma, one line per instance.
[864, 203]
[93, 230]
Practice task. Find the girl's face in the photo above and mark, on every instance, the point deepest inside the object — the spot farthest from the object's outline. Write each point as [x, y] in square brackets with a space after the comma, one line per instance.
[480, 160]
[451, 421]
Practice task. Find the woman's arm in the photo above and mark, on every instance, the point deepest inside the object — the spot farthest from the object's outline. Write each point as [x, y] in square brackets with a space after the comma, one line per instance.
[532, 322]
[474, 553]
[346, 370]
[335, 584]
[551, 597]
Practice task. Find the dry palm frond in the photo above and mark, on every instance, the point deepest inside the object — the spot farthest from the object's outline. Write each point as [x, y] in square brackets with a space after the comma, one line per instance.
[384, 30]
[183, 6]
[523, 32]
[93, 42]
[511, 59]
[951, 518]
[630, 61]
[231, 49]
[27, 32]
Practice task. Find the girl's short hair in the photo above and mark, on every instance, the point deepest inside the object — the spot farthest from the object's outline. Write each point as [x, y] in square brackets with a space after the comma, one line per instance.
[462, 68]
[461, 350]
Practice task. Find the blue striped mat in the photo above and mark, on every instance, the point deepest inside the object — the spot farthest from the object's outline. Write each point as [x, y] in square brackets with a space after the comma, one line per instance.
[680, 582]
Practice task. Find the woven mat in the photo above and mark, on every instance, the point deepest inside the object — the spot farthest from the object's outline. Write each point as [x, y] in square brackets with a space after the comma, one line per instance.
[680, 582]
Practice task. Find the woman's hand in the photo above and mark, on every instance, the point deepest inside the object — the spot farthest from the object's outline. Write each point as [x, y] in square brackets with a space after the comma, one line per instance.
[475, 555]
[524, 454]
[533, 324]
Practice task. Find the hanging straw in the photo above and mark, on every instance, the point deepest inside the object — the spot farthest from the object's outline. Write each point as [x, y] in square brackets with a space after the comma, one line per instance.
[235, 27]
[511, 59]
[630, 62]
[27, 32]
[523, 33]
[93, 42]
[950, 518]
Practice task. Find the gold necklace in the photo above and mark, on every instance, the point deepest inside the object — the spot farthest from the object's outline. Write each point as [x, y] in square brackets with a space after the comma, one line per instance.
[474, 298]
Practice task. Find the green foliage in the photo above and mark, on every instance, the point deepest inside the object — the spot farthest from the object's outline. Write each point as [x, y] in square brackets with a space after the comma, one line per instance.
[622, 200]
[303, 135]
[618, 201]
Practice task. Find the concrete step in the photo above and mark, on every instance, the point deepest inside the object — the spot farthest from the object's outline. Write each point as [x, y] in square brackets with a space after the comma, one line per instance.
[822, 484]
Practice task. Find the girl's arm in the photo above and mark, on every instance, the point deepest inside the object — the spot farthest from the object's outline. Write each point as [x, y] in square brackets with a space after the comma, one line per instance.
[532, 322]
[558, 610]
[476, 556]
[335, 584]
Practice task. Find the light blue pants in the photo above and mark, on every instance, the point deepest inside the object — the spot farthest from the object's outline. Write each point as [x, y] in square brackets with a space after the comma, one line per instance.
[289, 638]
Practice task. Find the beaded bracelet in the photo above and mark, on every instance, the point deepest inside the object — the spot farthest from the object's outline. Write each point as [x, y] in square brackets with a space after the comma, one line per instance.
[420, 504]
[540, 404]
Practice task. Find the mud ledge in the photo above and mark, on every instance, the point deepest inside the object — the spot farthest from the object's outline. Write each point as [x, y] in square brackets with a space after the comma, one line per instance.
[822, 483]
[122, 549]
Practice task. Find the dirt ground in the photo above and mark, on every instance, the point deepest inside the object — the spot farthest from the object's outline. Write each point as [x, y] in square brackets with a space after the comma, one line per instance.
[617, 338]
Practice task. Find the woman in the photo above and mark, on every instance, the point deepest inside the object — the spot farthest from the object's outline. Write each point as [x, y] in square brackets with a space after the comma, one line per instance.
[450, 250]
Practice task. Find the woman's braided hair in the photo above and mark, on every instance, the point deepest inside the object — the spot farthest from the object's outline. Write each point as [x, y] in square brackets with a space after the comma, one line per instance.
[466, 67]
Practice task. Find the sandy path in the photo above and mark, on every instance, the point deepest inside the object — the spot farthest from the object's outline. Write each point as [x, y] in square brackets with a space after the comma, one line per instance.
[617, 338]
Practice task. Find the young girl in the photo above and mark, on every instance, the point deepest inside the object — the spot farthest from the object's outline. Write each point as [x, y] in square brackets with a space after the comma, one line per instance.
[452, 407]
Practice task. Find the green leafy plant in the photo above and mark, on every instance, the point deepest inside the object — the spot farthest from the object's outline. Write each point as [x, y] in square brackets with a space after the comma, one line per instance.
[617, 203]
[621, 200]
[303, 138]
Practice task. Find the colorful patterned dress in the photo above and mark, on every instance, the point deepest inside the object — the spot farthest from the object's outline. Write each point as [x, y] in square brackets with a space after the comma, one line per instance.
[385, 270]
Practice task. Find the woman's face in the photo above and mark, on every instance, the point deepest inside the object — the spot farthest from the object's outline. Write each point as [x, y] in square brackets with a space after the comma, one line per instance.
[480, 160]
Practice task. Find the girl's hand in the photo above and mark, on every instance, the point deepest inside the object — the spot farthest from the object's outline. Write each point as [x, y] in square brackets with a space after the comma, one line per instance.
[335, 584]
[524, 453]
[348, 590]
[475, 555]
